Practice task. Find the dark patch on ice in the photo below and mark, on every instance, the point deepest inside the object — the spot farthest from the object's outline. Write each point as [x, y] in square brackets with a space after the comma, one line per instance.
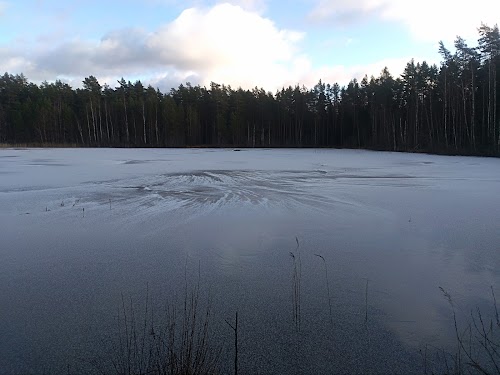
[28, 189]
[140, 161]
[140, 188]
[377, 177]
[47, 164]
[416, 163]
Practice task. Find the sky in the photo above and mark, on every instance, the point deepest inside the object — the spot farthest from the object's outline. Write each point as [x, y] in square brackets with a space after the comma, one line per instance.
[242, 43]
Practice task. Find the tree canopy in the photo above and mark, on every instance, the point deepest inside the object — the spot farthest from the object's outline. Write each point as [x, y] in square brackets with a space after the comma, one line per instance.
[450, 108]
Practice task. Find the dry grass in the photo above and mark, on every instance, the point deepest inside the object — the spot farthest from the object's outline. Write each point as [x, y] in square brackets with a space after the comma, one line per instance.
[296, 280]
[327, 286]
[477, 343]
[181, 344]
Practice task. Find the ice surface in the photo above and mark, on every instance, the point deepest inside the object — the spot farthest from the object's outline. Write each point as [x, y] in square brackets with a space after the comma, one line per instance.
[80, 227]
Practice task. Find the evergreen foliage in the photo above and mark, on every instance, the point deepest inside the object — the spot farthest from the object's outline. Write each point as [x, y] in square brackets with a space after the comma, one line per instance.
[451, 108]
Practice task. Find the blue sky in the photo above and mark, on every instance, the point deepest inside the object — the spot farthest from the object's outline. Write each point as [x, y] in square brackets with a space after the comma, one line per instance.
[265, 43]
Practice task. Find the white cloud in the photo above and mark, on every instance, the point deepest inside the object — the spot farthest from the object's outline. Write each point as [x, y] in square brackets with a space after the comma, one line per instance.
[252, 5]
[305, 74]
[168, 80]
[225, 43]
[345, 10]
[15, 64]
[120, 51]
[447, 19]
[428, 20]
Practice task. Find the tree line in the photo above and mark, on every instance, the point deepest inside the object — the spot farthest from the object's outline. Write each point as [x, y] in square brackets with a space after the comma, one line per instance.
[450, 108]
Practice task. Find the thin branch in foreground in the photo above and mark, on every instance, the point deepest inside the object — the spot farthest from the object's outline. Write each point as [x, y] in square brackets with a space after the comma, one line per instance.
[327, 286]
[235, 329]
[366, 302]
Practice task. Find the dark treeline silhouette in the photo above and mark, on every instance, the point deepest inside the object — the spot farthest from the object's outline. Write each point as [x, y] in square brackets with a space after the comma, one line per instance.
[452, 108]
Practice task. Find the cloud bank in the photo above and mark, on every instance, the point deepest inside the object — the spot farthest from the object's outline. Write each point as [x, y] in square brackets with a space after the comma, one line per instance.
[425, 19]
[231, 43]
[226, 43]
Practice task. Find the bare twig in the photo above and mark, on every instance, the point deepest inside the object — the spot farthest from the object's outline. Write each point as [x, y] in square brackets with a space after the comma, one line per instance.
[327, 286]
[366, 302]
[495, 305]
[235, 329]
[296, 276]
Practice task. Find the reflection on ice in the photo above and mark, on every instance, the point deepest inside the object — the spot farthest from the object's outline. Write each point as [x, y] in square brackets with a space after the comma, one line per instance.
[408, 223]
[201, 189]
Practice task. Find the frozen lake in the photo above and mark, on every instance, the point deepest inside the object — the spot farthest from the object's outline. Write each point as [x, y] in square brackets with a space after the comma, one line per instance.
[79, 228]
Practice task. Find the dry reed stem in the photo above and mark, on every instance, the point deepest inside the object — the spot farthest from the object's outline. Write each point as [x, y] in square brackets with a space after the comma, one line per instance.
[327, 286]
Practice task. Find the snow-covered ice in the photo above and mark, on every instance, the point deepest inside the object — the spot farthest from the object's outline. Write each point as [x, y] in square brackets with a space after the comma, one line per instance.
[80, 227]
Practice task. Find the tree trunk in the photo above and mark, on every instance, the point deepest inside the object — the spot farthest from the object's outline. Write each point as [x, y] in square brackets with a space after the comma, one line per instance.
[144, 123]
[156, 124]
[80, 131]
[100, 122]
[445, 111]
[93, 121]
[106, 119]
[473, 110]
[88, 124]
[253, 142]
[416, 119]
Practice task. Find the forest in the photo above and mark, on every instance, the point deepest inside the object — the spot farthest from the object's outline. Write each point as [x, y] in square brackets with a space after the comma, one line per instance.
[452, 108]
